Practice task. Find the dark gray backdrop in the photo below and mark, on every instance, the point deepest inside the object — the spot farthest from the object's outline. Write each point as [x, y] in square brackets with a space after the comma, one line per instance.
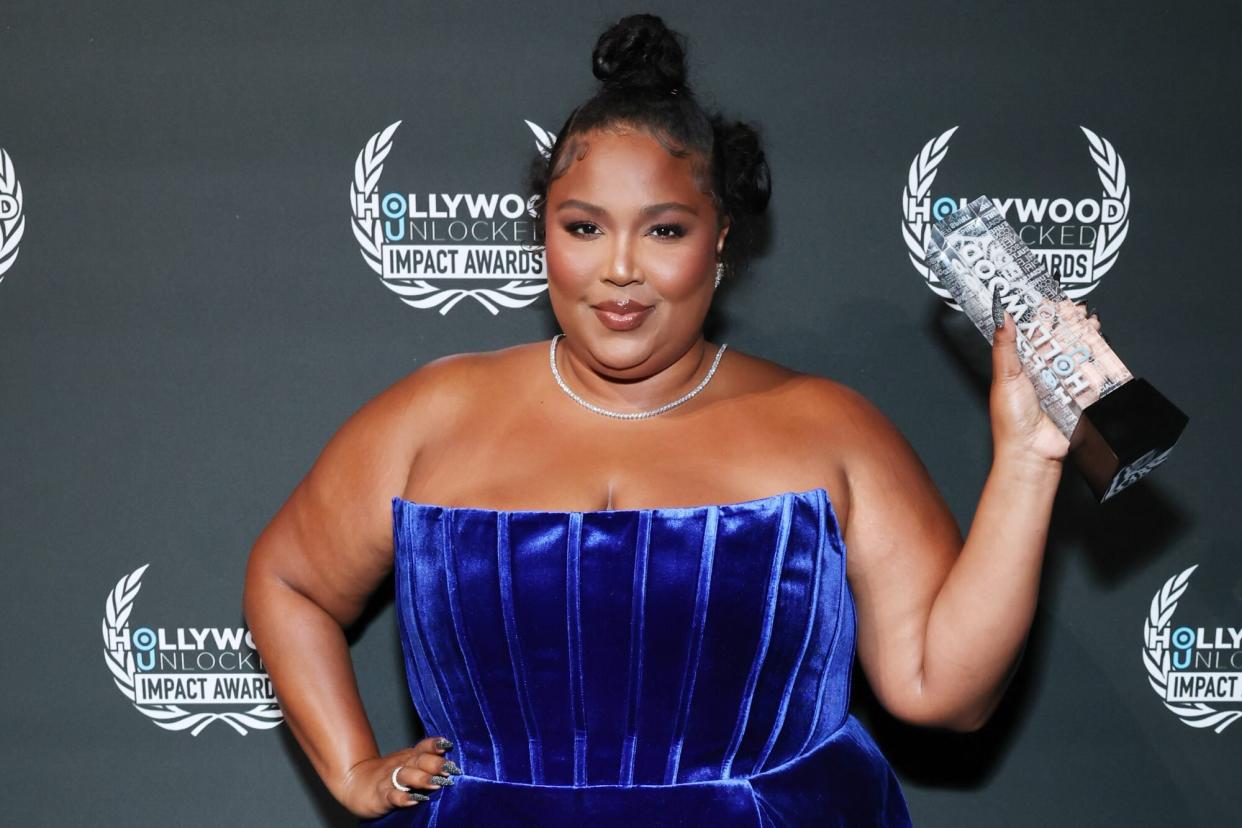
[189, 319]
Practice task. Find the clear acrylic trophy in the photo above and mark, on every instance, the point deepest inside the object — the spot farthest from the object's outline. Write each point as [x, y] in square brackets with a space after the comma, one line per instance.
[1119, 426]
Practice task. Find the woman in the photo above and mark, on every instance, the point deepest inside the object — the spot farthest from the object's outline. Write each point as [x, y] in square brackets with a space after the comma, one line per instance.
[616, 618]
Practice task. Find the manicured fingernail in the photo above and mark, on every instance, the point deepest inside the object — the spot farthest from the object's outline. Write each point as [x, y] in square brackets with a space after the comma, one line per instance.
[443, 744]
[451, 767]
[998, 312]
[442, 781]
[419, 797]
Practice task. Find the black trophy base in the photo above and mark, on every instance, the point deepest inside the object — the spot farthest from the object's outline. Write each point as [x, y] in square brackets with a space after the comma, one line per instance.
[1124, 435]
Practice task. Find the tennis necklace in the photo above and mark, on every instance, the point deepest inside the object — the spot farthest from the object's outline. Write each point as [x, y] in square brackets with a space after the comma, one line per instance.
[629, 415]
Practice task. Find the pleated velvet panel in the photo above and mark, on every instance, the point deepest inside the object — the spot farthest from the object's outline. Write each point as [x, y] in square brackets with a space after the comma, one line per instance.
[674, 666]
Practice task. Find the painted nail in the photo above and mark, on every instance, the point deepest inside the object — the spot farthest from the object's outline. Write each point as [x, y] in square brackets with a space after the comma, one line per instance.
[998, 312]
[419, 797]
[451, 767]
[443, 744]
[442, 781]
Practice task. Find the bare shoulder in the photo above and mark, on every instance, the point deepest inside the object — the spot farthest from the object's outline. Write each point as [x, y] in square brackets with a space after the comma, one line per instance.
[370, 456]
[332, 538]
[856, 422]
[436, 394]
[829, 408]
[844, 433]
[866, 441]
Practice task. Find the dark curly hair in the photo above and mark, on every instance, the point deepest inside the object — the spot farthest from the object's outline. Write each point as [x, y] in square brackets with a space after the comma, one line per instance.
[641, 65]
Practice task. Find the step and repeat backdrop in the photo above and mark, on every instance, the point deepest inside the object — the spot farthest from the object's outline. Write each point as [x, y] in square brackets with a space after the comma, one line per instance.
[206, 218]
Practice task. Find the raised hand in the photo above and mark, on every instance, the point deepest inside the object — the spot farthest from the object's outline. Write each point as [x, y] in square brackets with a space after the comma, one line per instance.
[1020, 428]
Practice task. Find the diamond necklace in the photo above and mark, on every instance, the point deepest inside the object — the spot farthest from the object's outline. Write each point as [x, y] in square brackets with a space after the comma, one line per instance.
[629, 415]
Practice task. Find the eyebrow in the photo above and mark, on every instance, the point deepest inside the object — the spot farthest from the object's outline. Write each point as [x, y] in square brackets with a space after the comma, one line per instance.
[649, 210]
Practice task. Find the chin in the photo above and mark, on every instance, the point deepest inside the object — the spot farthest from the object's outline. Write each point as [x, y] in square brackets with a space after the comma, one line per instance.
[619, 350]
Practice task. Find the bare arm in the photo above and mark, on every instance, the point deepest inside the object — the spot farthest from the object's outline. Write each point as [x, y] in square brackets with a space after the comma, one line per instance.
[942, 623]
[315, 565]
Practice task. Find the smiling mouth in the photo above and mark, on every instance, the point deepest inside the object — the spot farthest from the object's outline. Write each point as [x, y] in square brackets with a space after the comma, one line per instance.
[621, 317]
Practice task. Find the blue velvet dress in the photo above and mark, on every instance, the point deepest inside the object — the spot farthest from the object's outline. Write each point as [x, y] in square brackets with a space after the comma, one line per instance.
[684, 666]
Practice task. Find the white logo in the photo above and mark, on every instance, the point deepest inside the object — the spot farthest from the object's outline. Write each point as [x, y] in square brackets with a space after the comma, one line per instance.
[12, 221]
[415, 241]
[1172, 657]
[1136, 471]
[1078, 241]
[159, 670]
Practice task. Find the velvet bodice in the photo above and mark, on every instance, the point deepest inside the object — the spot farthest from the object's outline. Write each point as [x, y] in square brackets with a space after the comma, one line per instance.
[675, 666]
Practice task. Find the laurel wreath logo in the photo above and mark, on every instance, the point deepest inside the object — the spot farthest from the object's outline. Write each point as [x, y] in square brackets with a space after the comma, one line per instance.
[415, 292]
[11, 228]
[1112, 172]
[544, 140]
[1156, 657]
[117, 607]
[917, 191]
[917, 194]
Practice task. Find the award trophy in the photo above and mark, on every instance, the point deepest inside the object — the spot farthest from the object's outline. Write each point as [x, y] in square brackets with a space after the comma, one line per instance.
[1119, 426]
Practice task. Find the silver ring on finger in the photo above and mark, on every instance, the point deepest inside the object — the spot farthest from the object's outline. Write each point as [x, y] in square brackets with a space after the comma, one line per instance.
[397, 784]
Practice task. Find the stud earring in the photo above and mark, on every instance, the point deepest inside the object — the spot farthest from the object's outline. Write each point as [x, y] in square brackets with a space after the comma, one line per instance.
[719, 272]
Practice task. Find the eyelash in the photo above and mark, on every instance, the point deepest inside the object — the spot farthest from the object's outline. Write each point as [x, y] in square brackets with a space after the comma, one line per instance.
[678, 230]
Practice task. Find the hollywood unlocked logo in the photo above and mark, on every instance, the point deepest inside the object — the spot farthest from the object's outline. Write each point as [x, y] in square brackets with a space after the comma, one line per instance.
[1196, 671]
[1077, 240]
[435, 249]
[166, 671]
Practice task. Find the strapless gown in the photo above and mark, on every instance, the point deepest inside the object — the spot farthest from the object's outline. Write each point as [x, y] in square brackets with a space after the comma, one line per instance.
[684, 666]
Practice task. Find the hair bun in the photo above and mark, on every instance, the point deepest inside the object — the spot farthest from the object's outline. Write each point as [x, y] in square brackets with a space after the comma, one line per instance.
[640, 51]
[745, 183]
